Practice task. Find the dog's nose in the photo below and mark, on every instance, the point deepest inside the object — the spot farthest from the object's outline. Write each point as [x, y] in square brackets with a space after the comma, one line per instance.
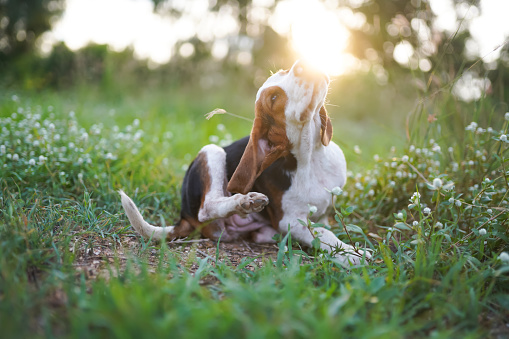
[303, 70]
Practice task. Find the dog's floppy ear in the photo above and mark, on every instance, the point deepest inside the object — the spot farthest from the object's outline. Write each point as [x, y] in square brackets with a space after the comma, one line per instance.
[246, 172]
[326, 127]
[257, 156]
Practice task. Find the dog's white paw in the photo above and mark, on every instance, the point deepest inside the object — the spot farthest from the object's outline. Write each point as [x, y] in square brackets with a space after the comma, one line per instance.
[349, 256]
[251, 202]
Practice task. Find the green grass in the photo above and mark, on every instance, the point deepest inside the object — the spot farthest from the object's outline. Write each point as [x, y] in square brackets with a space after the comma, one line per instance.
[433, 274]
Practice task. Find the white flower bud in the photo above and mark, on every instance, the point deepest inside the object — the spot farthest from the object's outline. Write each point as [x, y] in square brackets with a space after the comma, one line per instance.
[337, 190]
[504, 256]
[312, 209]
[437, 183]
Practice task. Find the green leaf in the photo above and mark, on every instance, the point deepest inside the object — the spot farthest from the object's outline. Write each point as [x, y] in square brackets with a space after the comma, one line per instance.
[354, 228]
[316, 243]
[302, 222]
[402, 226]
[347, 211]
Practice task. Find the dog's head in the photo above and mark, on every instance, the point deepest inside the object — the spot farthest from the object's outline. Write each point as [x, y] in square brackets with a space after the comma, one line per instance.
[287, 102]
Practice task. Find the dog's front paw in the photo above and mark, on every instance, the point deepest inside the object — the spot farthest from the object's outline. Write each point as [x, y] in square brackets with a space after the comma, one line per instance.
[350, 256]
[251, 202]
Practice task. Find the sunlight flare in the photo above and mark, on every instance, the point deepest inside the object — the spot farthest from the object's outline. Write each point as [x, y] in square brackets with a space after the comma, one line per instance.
[317, 36]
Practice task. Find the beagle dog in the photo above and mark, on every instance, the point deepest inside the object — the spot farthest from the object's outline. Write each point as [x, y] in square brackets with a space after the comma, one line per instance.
[264, 183]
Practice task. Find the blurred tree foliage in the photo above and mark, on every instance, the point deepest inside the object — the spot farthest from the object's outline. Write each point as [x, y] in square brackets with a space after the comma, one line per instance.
[385, 24]
[22, 22]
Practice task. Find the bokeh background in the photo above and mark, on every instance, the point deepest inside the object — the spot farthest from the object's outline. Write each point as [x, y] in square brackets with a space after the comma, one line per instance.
[170, 62]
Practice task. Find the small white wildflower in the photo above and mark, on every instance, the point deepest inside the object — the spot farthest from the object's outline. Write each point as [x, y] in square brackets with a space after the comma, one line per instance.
[358, 185]
[439, 224]
[411, 148]
[62, 174]
[136, 122]
[437, 183]
[2, 149]
[399, 174]
[71, 114]
[489, 130]
[109, 156]
[482, 231]
[337, 190]
[427, 210]
[214, 139]
[42, 158]
[504, 256]
[31, 162]
[392, 183]
[506, 116]
[404, 158]
[394, 164]
[15, 157]
[80, 176]
[371, 193]
[415, 223]
[312, 209]
[489, 211]
[376, 157]
[503, 137]
[450, 149]
[399, 215]
[357, 149]
[451, 200]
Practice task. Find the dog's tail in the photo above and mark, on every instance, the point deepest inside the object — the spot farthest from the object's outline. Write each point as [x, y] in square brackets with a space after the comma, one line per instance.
[143, 227]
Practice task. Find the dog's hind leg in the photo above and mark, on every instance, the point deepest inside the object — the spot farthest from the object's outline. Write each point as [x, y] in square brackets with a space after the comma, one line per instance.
[217, 202]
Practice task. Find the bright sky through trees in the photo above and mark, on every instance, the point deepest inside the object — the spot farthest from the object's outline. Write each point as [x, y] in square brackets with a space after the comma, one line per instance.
[319, 35]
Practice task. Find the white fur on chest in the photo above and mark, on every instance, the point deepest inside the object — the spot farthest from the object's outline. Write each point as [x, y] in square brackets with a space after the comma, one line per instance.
[325, 170]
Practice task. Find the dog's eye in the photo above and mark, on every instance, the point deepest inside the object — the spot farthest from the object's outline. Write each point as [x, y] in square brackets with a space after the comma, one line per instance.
[273, 98]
